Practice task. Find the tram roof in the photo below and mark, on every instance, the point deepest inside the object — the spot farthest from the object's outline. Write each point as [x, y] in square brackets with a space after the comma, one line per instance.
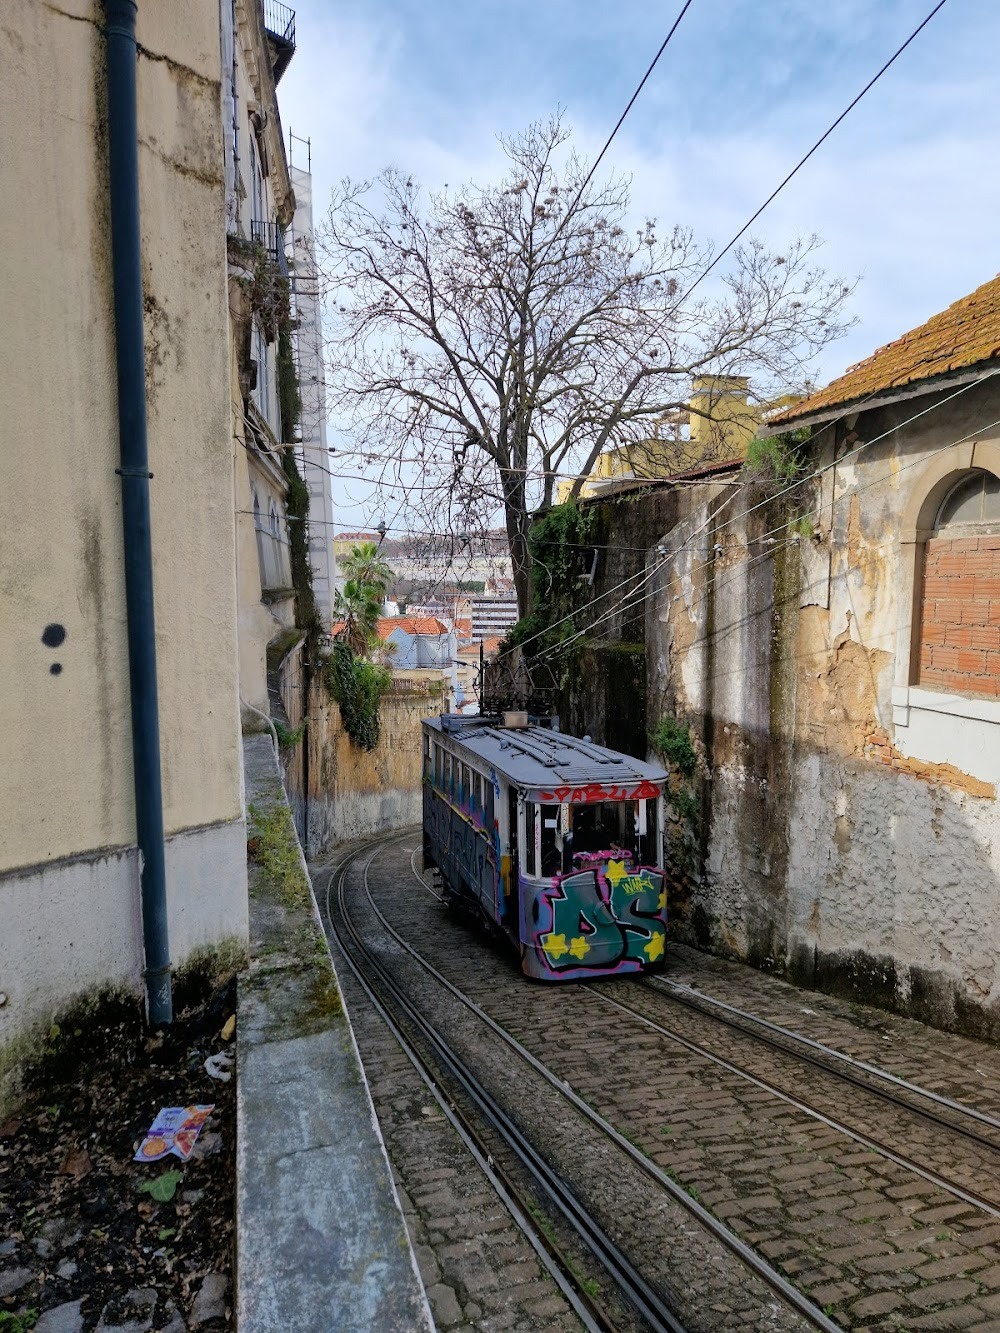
[535, 757]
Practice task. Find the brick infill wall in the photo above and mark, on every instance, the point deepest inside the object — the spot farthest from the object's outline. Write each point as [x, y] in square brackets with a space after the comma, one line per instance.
[960, 616]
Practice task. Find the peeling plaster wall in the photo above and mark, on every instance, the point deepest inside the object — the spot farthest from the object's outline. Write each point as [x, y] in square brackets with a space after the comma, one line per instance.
[860, 854]
[354, 792]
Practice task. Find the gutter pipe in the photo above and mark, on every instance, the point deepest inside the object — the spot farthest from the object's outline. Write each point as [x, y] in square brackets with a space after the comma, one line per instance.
[123, 176]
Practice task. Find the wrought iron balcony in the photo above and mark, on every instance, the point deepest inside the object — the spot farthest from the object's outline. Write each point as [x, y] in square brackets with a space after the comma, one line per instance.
[268, 235]
[279, 24]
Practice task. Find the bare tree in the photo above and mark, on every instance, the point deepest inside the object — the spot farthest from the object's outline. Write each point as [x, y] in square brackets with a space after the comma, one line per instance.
[496, 338]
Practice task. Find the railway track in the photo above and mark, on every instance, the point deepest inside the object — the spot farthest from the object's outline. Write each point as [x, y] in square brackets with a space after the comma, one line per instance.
[833, 1063]
[374, 977]
[858, 1073]
[638, 1294]
[988, 1205]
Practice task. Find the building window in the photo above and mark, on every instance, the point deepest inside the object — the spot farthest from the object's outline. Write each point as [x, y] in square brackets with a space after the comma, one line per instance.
[959, 627]
[272, 518]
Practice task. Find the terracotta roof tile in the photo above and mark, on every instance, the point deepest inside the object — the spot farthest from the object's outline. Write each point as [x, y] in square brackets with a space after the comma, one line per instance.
[429, 625]
[965, 335]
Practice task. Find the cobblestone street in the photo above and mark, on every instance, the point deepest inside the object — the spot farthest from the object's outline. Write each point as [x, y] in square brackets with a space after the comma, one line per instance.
[884, 1217]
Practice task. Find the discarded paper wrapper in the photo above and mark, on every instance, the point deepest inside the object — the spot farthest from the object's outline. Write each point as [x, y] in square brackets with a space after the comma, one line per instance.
[173, 1131]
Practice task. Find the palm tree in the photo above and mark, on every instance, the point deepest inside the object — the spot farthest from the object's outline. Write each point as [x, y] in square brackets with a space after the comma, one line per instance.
[359, 605]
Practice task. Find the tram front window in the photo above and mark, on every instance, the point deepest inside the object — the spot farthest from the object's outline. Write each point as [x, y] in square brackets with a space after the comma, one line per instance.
[618, 826]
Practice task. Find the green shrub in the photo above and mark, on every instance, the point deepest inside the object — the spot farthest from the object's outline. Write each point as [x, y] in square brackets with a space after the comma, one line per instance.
[289, 737]
[673, 741]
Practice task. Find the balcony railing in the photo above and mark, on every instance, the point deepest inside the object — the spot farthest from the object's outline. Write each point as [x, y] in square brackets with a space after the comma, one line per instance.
[268, 235]
[279, 24]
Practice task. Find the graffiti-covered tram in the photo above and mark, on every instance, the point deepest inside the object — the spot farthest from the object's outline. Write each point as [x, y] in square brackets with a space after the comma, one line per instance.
[556, 840]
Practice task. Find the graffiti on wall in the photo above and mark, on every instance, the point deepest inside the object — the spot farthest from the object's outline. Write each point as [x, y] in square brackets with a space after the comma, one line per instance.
[597, 791]
[610, 918]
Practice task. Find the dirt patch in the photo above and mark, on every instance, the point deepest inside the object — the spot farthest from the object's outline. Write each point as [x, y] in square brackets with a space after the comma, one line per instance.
[76, 1227]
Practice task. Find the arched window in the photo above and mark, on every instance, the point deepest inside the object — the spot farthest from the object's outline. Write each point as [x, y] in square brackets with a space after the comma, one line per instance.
[959, 604]
[256, 510]
[974, 500]
[273, 518]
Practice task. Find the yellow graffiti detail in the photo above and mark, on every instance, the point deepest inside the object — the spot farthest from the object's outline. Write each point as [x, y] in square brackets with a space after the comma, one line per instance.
[653, 948]
[633, 884]
[555, 946]
[579, 947]
[615, 872]
[661, 902]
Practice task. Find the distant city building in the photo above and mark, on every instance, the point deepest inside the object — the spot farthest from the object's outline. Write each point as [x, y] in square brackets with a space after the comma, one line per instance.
[492, 617]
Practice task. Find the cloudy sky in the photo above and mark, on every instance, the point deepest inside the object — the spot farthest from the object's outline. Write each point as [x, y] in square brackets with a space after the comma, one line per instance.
[906, 194]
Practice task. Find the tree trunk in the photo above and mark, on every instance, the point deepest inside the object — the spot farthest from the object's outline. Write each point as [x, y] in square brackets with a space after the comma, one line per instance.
[516, 517]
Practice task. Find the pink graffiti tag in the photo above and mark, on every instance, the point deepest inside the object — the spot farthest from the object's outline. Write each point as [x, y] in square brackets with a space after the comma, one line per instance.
[598, 791]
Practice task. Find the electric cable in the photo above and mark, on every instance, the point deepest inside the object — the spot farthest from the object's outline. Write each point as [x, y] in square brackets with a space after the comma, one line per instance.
[822, 139]
[621, 119]
[627, 604]
[739, 569]
[799, 481]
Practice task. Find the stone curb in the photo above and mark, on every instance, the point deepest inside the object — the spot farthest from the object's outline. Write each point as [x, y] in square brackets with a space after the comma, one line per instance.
[321, 1242]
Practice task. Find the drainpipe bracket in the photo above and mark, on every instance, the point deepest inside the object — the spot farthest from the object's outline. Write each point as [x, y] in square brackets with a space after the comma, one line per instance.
[133, 472]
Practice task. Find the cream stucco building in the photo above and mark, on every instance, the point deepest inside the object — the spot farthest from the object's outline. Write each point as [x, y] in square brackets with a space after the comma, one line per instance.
[210, 161]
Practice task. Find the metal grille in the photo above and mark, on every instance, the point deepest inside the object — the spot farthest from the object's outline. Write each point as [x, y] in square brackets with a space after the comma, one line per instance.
[279, 21]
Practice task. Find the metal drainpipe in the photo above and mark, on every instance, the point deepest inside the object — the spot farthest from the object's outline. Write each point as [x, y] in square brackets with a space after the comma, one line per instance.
[123, 173]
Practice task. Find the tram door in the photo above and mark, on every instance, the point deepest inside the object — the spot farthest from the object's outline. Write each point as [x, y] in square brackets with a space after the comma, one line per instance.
[513, 843]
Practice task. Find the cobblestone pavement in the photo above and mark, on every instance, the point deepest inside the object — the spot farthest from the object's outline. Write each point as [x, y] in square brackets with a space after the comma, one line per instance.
[710, 1288]
[873, 1244]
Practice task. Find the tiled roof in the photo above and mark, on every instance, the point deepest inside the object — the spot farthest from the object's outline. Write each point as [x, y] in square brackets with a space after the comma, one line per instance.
[965, 335]
[428, 625]
[707, 469]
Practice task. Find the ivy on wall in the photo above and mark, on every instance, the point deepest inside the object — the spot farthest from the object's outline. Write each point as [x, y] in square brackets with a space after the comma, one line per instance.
[673, 741]
[558, 542]
[358, 686]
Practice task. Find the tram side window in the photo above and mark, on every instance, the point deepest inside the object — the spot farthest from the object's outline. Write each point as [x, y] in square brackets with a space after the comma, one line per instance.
[488, 813]
[528, 851]
[427, 756]
[438, 767]
[646, 833]
[551, 855]
[447, 773]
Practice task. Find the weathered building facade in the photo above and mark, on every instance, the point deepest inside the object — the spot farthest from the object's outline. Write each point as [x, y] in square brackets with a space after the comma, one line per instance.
[833, 643]
[70, 867]
[257, 42]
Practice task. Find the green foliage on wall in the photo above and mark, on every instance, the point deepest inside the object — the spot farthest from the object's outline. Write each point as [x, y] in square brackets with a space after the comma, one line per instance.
[289, 737]
[777, 460]
[673, 740]
[357, 686]
[558, 543]
[289, 394]
[297, 506]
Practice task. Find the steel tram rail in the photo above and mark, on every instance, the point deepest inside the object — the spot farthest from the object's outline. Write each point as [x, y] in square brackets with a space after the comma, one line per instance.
[971, 1197]
[795, 1298]
[636, 1290]
[695, 1000]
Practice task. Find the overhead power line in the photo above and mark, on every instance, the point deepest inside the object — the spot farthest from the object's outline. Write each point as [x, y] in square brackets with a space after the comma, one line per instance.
[621, 119]
[821, 140]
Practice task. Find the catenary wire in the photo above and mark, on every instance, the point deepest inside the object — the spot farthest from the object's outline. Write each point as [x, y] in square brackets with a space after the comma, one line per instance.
[740, 569]
[822, 139]
[621, 119]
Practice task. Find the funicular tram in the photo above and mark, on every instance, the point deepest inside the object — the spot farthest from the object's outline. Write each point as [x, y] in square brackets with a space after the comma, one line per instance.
[556, 840]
